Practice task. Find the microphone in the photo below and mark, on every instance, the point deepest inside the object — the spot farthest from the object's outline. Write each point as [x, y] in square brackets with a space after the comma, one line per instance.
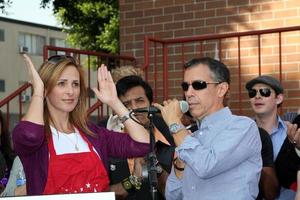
[184, 107]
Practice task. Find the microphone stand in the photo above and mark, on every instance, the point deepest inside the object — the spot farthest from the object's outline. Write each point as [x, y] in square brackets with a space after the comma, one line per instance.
[152, 160]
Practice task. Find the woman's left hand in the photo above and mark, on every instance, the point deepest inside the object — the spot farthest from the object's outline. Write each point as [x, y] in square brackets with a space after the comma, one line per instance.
[107, 92]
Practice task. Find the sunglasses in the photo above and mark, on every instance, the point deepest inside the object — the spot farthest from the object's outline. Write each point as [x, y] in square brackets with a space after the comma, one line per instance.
[58, 58]
[264, 92]
[197, 85]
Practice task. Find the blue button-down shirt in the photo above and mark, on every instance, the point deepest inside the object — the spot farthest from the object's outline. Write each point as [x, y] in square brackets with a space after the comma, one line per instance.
[223, 160]
[278, 136]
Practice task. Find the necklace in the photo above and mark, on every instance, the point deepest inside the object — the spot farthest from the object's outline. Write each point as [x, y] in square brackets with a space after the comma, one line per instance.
[70, 140]
[76, 143]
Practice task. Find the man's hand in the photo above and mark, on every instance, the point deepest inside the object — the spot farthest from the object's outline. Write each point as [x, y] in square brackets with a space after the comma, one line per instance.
[293, 134]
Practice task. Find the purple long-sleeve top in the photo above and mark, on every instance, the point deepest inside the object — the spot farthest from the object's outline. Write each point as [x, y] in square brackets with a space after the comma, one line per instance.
[31, 146]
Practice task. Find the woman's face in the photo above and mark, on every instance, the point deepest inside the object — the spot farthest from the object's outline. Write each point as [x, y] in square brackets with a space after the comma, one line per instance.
[64, 96]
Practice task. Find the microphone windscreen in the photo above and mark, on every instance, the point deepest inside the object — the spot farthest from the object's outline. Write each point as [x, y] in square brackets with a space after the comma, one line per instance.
[184, 106]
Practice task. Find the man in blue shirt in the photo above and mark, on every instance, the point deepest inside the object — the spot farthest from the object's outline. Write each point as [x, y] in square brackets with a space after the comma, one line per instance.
[266, 96]
[222, 159]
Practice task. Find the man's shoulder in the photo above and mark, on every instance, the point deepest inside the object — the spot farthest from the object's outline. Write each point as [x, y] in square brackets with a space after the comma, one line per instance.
[247, 121]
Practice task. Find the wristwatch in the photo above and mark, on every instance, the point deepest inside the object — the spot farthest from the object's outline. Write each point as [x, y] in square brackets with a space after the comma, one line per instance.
[175, 127]
[125, 117]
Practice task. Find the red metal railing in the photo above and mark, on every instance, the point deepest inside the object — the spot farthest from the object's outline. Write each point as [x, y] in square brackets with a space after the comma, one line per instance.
[90, 60]
[167, 63]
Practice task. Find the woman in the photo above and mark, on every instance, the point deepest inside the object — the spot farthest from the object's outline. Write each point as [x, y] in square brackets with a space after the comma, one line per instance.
[60, 151]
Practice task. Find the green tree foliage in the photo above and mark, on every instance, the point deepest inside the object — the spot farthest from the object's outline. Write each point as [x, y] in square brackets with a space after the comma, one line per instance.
[90, 24]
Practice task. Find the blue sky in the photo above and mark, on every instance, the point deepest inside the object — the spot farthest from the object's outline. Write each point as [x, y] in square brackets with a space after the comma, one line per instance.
[30, 11]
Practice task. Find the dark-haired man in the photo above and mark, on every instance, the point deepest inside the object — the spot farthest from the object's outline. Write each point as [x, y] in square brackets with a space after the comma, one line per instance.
[221, 160]
[135, 93]
[266, 96]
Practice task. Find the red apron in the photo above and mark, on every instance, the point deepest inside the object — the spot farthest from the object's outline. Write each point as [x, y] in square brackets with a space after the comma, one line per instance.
[75, 172]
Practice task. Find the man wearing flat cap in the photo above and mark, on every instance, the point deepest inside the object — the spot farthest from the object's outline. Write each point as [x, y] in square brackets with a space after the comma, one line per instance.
[266, 96]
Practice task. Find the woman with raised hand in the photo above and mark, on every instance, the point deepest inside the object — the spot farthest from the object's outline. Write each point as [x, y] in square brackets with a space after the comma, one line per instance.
[61, 152]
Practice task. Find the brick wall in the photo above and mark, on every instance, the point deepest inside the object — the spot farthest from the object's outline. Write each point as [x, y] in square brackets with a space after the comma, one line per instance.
[168, 19]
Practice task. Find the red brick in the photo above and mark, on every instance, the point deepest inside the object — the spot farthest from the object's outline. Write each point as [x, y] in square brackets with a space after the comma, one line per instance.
[182, 2]
[205, 30]
[238, 19]
[249, 9]
[292, 4]
[292, 58]
[216, 21]
[227, 11]
[184, 16]
[272, 24]
[172, 26]
[259, 1]
[198, 7]
[144, 21]
[248, 26]
[237, 3]
[261, 16]
[134, 14]
[163, 3]
[173, 10]
[143, 5]
[226, 28]
[292, 102]
[286, 13]
[203, 14]
[163, 19]
[135, 29]
[215, 4]
[193, 23]
[292, 21]
[293, 76]
[126, 7]
[153, 12]
[126, 22]
[293, 93]
[184, 33]
[279, 5]
[155, 27]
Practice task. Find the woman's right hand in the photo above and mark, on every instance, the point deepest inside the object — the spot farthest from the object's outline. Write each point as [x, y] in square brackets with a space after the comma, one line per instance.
[35, 79]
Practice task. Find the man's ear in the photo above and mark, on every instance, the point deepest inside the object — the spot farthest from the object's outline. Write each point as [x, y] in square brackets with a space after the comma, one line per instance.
[223, 89]
[279, 99]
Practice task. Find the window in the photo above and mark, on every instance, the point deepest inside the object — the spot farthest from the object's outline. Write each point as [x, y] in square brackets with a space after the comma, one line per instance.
[2, 86]
[34, 43]
[58, 43]
[2, 38]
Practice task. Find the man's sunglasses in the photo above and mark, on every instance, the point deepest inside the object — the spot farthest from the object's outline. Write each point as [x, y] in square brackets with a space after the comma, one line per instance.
[58, 58]
[264, 92]
[197, 85]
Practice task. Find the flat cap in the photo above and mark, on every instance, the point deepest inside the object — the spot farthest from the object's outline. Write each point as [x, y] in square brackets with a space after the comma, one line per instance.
[268, 80]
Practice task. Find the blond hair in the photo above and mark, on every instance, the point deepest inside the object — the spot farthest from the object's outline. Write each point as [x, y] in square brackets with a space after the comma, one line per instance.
[123, 71]
[50, 74]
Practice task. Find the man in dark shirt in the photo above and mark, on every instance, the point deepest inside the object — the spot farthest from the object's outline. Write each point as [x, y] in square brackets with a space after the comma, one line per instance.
[135, 93]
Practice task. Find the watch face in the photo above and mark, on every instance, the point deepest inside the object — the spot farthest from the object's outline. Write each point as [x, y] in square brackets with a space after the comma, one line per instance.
[127, 185]
[174, 128]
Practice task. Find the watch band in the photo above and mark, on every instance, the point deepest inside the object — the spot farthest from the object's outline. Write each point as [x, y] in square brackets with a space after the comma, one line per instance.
[175, 165]
[124, 117]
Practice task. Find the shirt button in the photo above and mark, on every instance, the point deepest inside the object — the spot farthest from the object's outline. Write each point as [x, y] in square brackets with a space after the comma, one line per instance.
[200, 133]
[193, 187]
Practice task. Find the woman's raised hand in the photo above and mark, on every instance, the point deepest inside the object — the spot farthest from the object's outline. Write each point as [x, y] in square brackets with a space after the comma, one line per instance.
[35, 79]
[107, 92]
